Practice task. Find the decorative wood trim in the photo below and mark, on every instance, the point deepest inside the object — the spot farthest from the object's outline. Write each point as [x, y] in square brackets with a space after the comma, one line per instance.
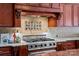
[13, 15]
[38, 13]
[64, 15]
[72, 13]
[41, 5]
[78, 15]
[37, 9]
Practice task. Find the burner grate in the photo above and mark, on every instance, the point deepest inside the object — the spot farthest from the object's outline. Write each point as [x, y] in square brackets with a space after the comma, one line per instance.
[39, 40]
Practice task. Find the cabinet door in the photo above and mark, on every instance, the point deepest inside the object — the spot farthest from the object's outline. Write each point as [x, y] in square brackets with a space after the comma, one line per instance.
[23, 51]
[6, 14]
[76, 15]
[68, 15]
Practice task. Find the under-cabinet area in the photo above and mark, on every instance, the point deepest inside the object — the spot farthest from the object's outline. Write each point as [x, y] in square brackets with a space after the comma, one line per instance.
[39, 29]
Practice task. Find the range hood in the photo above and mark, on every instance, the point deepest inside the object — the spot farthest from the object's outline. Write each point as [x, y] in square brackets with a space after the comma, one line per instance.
[31, 10]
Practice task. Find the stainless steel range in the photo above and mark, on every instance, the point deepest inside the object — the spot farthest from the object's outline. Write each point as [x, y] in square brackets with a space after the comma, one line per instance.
[40, 45]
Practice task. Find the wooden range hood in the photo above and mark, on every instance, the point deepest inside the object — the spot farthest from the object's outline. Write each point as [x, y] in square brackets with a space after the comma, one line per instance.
[31, 10]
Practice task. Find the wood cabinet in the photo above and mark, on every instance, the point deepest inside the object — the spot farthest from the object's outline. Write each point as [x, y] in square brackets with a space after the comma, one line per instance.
[23, 51]
[60, 46]
[76, 15]
[19, 50]
[66, 19]
[50, 5]
[52, 22]
[69, 45]
[17, 18]
[77, 44]
[14, 51]
[6, 15]
[45, 5]
[5, 51]
[70, 15]
[60, 21]
[66, 45]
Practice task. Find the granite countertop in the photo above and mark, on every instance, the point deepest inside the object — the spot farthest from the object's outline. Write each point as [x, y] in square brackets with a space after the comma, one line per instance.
[57, 39]
[14, 44]
[66, 39]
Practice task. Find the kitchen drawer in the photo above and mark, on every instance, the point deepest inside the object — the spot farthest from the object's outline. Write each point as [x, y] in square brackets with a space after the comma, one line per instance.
[7, 53]
[4, 49]
[69, 45]
[66, 45]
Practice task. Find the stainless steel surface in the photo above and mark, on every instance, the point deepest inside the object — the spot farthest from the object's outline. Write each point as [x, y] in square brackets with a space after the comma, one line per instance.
[40, 43]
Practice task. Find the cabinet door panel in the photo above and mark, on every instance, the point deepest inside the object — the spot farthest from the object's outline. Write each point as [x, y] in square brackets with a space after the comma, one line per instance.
[69, 45]
[76, 13]
[6, 15]
[23, 51]
[68, 15]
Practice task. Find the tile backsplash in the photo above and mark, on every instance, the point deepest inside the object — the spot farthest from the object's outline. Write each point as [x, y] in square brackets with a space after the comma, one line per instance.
[52, 31]
[32, 27]
[49, 31]
[8, 30]
[63, 32]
